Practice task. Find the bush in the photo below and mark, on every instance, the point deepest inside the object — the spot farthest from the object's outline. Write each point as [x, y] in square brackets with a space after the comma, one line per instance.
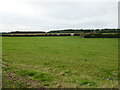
[100, 35]
[76, 34]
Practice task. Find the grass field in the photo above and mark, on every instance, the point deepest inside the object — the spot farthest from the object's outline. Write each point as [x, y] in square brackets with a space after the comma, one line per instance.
[60, 62]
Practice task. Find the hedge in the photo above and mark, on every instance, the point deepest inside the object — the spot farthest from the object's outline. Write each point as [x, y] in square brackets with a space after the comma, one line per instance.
[100, 35]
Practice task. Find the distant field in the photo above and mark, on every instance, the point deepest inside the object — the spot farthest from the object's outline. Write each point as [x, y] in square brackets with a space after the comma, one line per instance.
[60, 62]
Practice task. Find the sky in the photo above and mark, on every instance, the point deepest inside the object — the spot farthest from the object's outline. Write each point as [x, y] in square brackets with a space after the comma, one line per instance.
[46, 15]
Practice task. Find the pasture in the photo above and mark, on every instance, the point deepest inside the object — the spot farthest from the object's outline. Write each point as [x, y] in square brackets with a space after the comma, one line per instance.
[65, 62]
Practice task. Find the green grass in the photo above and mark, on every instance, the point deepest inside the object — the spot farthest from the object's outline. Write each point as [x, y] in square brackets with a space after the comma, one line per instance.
[8, 83]
[64, 61]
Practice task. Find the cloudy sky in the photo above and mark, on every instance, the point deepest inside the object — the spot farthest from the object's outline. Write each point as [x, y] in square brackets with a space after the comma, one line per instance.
[45, 15]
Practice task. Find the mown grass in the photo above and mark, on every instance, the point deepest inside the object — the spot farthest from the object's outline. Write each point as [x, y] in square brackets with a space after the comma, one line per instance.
[64, 61]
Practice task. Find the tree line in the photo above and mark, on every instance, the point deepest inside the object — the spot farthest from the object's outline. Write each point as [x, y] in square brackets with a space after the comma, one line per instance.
[69, 31]
[86, 31]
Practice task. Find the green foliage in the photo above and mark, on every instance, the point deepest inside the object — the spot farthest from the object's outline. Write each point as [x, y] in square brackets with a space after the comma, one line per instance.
[100, 35]
[86, 31]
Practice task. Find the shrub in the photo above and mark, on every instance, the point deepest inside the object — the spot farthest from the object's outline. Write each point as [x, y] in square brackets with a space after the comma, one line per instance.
[100, 35]
[76, 34]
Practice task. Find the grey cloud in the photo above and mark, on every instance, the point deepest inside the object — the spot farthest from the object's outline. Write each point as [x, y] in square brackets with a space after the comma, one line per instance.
[60, 15]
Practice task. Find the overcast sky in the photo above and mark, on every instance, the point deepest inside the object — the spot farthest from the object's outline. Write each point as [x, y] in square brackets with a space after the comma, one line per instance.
[45, 15]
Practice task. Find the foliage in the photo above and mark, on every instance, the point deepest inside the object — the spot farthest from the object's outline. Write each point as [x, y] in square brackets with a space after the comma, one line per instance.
[100, 35]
